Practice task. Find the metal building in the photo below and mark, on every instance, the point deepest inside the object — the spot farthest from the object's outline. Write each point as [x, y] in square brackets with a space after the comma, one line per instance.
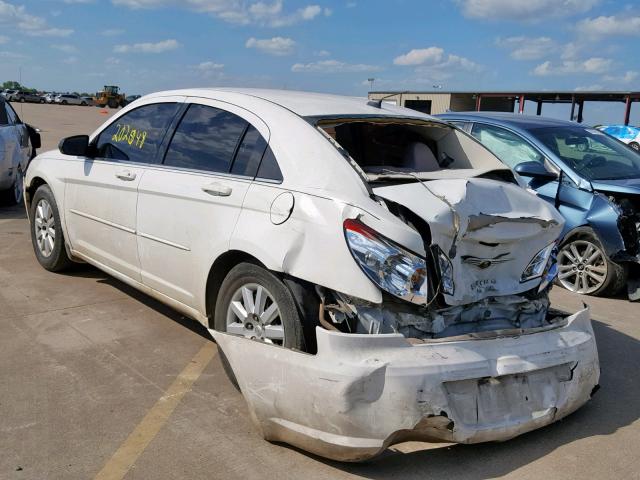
[441, 102]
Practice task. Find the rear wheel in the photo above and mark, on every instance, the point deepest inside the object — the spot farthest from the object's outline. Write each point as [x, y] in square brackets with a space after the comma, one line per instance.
[84, 104]
[13, 195]
[583, 266]
[64, 102]
[254, 303]
[635, 146]
[42, 100]
[46, 232]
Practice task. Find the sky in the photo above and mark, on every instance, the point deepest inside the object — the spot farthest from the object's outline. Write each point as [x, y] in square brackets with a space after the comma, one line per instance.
[327, 46]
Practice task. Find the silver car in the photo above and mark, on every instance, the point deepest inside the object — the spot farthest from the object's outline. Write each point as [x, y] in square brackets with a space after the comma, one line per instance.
[15, 152]
[24, 96]
[70, 99]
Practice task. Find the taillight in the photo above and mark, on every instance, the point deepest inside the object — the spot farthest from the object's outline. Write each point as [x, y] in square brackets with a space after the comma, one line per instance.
[389, 266]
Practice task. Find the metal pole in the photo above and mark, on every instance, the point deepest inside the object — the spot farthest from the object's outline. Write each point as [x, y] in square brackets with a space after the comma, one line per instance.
[627, 110]
[521, 104]
[478, 102]
[580, 107]
[539, 109]
[573, 107]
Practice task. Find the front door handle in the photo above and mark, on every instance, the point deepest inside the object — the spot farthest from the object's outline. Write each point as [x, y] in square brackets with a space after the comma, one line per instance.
[126, 175]
[217, 189]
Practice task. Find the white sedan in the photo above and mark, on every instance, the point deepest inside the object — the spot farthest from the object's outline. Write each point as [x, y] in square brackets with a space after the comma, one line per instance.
[370, 274]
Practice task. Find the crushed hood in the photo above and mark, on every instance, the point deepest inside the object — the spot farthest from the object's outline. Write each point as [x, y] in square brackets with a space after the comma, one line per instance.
[490, 230]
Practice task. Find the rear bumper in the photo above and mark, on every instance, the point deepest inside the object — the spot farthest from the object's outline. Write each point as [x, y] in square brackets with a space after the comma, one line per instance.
[361, 393]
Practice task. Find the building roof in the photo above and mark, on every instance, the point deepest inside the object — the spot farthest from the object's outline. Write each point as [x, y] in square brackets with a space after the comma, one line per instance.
[565, 96]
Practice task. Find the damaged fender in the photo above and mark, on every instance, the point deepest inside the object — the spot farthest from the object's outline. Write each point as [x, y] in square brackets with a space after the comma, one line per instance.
[362, 393]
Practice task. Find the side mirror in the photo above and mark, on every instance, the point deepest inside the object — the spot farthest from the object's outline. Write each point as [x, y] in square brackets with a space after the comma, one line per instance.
[535, 170]
[34, 137]
[77, 145]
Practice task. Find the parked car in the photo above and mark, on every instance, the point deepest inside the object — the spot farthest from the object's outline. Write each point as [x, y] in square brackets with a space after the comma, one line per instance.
[50, 97]
[7, 94]
[25, 96]
[88, 100]
[625, 133]
[131, 98]
[592, 179]
[70, 99]
[18, 142]
[371, 274]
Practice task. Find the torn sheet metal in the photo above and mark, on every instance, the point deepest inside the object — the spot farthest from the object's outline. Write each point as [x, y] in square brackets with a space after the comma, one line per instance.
[496, 220]
[362, 393]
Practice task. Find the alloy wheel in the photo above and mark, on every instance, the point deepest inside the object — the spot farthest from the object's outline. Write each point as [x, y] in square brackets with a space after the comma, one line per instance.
[253, 313]
[45, 227]
[582, 267]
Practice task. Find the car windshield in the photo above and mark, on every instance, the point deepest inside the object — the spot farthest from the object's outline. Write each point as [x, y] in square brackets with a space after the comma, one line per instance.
[590, 153]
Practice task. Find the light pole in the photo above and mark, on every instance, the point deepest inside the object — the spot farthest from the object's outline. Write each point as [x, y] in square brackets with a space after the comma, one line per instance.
[371, 80]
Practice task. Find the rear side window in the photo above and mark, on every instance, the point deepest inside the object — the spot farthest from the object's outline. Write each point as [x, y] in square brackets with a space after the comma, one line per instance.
[12, 116]
[269, 169]
[135, 136]
[206, 139]
[249, 153]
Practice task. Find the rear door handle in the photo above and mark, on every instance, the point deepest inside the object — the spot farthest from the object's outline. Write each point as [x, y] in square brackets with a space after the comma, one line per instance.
[126, 175]
[217, 189]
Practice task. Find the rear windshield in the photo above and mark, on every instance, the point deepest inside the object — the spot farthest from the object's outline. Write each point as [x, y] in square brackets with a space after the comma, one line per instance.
[384, 145]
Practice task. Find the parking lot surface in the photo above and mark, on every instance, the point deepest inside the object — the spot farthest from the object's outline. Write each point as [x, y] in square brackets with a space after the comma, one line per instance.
[100, 381]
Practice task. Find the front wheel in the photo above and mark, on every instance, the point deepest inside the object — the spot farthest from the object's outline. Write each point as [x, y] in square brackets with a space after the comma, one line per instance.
[21, 99]
[42, 100]
[46, 232]
[84, 104]
[635, 146]
[583, 266]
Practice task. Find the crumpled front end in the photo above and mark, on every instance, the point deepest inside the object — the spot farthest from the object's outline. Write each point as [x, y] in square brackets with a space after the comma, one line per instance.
[362, 393]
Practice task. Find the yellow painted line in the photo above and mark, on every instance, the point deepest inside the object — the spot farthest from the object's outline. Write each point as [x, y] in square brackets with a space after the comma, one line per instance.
[124, 458]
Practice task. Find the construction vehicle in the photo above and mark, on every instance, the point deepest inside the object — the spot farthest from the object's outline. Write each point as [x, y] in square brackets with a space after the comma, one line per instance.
[110, 96]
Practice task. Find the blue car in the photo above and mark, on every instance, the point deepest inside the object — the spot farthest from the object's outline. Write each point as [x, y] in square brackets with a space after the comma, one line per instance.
[593, 179]
[625, 133]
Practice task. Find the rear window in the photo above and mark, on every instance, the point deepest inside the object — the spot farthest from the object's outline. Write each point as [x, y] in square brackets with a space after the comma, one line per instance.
[206, 139]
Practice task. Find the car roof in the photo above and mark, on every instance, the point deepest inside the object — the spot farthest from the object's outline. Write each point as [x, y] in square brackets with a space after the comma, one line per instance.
[304, 104]
[509, 119]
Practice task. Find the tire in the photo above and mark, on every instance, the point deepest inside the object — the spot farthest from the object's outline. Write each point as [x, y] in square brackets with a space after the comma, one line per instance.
[42, 100]
[635, 146]
[45, 221]
[84, 104]
[599, 276]
[63, 102]
[252, 277]
[22, 100]
[113, 104]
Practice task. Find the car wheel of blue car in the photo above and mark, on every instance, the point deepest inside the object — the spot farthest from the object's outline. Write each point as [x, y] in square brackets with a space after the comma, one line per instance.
[583, 266]
[635, 145]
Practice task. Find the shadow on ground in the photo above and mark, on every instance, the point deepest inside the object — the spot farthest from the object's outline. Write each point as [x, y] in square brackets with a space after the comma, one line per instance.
[613, 407]
[12, 212]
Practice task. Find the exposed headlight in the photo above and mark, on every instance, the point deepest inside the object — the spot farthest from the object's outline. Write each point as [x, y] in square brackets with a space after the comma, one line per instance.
[446, 273]
[540, 264]
[389, 266]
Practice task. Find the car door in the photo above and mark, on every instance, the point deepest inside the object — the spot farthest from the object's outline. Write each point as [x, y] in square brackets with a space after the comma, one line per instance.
[188, 206]
[102, 192]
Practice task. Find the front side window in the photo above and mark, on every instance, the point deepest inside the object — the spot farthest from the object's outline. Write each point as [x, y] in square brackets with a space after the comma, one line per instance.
[12, 116]
[206, 139]
[510, 148]
[136, 136]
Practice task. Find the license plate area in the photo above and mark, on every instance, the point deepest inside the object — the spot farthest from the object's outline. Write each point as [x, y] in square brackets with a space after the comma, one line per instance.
[508, 399]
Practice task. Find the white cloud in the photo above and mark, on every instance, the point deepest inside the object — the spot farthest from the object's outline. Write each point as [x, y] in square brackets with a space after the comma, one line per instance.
[209, 66]
[111, 32]
[628, 77]
[593, 65]
[148, 47]
[527, 48]
[279, 46]
[609, 26]
[333, 66]
[322, 53]
[434, 62]
[351, 4]
[12, 55]
[271, 14]
[528, 10]
[3, 39]
[17, 16]
[70, 60]
[65, 48]
[589, 88]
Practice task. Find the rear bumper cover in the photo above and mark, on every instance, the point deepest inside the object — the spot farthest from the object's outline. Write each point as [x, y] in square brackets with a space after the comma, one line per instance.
[361, 393]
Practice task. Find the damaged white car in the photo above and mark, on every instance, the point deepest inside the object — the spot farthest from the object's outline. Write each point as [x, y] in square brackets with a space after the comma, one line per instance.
[371, 275]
